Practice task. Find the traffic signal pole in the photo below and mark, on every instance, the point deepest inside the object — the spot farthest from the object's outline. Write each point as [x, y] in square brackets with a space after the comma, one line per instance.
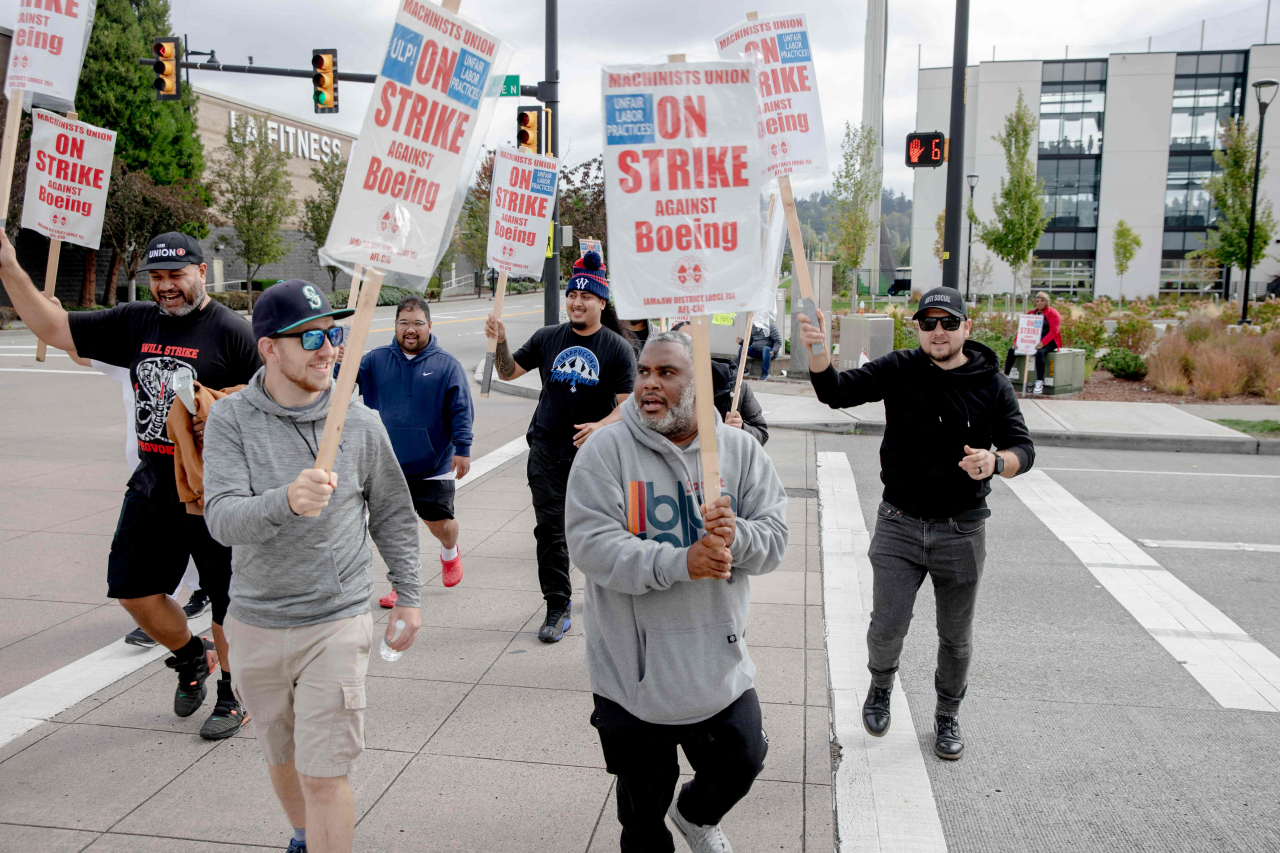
[955, 156]
[549, 94]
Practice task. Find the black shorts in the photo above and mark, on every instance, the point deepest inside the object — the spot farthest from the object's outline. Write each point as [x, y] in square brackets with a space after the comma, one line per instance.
[154, 541]
[432, 499]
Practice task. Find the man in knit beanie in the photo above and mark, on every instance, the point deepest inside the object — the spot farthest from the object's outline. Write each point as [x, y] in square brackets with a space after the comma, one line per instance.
[586, 370]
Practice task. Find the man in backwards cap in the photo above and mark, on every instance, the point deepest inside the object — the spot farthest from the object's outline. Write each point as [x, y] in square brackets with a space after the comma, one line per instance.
[299, 624]
[946, 405]
[180, 332]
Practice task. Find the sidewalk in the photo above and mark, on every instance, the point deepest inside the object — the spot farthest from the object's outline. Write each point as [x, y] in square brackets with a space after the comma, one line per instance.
[1061, 423]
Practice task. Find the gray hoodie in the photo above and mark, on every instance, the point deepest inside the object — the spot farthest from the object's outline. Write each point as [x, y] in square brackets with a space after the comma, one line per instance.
[290, 570]
[668, 649]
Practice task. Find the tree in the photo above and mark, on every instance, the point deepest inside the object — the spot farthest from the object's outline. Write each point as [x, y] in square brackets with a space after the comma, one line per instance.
[1125, 245]
[940, 241]
[317, 210]
[857, 186]
[582, 206]
[1020, 215]
[983, 272]
[251, 185]
[473, 223]
[1231, 191]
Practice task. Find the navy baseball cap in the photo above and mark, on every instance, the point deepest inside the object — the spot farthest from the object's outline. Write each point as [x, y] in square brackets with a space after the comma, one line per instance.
[289, 304]
[946, 298]
[172, 251]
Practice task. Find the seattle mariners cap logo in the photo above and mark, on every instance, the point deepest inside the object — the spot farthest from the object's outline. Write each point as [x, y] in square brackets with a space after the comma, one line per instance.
[313, 298]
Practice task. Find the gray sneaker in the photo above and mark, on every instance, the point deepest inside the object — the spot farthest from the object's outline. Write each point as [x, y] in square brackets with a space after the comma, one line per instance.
[701, 839]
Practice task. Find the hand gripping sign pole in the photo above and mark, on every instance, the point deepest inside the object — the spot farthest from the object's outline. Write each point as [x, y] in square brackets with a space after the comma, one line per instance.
[51, 268]
[799, 264]
[501, 293]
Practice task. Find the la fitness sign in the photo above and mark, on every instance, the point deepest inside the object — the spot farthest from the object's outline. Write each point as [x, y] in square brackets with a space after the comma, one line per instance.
[294, 141]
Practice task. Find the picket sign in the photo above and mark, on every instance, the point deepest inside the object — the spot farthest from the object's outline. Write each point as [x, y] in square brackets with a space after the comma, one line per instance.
[350, 369]
[498, 296]
[751, 316]
[51, 268]
[356, 275]
[9, 153]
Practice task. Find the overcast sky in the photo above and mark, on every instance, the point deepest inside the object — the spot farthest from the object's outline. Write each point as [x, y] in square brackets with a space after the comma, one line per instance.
[606, 32]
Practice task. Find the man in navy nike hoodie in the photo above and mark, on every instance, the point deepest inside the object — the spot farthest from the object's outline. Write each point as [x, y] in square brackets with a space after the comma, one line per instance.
[422, 394]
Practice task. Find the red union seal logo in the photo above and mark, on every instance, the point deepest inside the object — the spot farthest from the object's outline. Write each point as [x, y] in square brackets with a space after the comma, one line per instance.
[773, 149]
[689, 273]
[786, 149]
[181, 252]
[390, 220]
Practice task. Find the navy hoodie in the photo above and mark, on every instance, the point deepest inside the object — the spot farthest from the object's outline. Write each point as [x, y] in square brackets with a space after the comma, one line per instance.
[425, 404]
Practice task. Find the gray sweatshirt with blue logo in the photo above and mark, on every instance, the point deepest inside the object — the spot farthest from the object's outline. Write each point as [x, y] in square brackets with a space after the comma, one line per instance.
[668, 649]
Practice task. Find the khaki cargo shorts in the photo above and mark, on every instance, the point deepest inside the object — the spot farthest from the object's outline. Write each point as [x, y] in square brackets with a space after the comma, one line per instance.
[304, 690]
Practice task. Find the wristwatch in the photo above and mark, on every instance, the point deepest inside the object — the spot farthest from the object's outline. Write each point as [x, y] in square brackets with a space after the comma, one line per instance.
[999, 465]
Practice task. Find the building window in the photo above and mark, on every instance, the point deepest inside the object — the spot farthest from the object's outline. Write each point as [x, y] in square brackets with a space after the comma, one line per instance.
[1071, 191]
[1186, 197]
[1190, 278]
[1208, 89]
[1072, 103]
[1065, 277]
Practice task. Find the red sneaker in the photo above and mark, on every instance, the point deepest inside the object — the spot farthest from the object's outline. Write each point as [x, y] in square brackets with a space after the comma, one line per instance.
[388, 601]
[452, 569]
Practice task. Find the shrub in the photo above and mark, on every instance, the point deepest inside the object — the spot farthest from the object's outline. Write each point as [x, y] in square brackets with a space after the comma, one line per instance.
[1217, 370]
[1140, 308]
[7, 316]
[1168, 367]
[236, 300]
[1257, 359]
[993, 329]
[1133, 333]
[1082, 330]
[1123, 364]
[1166, 310]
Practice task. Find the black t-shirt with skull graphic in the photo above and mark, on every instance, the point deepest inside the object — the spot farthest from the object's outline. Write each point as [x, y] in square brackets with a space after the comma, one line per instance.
[215, 345]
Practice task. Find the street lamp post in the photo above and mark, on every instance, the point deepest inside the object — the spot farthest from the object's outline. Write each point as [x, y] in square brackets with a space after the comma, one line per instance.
[1265, 90]
[973, 184]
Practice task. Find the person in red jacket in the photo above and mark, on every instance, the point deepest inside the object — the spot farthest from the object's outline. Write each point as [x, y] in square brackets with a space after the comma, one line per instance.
[1050, 339]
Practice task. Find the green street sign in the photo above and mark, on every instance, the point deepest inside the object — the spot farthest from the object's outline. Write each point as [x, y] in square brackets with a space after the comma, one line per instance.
[511, 86]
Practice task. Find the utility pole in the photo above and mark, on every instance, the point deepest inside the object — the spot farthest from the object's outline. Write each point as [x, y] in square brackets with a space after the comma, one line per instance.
[549, 94]
[955, 156]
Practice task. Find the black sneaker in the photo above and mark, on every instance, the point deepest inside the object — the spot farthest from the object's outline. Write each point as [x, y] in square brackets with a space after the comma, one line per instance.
[197, 604]
[192, 675]
[558, 621]
[296, 846]
[138, 637]
[948, 745]
[227, 717]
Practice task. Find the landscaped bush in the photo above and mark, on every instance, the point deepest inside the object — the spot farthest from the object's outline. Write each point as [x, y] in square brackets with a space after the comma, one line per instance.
[1203, 357]
[1217, 371]
[1168, 368]
[236, 300]
[7, 316]
[1123, 364]
[1133, 333]
[991, 328]
[1082, 329]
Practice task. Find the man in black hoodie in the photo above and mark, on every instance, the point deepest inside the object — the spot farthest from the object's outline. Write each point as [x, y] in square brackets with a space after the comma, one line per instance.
[946, 403]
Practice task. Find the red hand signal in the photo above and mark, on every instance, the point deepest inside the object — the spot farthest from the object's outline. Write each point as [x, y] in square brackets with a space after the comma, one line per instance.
[915, 150]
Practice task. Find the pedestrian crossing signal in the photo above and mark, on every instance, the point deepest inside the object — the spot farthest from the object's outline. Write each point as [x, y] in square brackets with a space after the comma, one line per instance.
[926, 149]
[166, 68]
[325, 80]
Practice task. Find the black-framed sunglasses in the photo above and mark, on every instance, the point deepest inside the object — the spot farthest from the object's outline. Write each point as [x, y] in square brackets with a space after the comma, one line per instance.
[313, 339]
[928, 324]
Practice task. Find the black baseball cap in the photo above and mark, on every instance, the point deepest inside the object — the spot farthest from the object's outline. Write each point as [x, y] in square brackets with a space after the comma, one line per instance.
[172, 251]
[289, 304]
[946, 298]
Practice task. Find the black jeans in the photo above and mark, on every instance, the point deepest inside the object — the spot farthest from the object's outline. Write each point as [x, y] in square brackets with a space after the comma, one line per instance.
[727, 753]
[904, 550]
[1041, 355]
[548, 479]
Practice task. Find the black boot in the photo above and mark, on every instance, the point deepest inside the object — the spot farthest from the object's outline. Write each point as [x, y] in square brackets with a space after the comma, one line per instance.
[875, 711]
[949, 745]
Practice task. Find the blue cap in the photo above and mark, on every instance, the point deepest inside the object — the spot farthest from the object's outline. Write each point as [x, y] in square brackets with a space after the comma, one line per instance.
[289, 304]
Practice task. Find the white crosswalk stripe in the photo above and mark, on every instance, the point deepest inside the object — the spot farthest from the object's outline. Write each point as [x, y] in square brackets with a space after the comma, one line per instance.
[884, 802]
[1237, 671]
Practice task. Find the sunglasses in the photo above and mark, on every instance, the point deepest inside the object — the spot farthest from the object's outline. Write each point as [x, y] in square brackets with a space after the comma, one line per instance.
[313, 339]
[928, 324]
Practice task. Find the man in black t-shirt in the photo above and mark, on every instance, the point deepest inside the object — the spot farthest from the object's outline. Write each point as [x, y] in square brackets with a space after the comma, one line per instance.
[586, 371]
[182, 333]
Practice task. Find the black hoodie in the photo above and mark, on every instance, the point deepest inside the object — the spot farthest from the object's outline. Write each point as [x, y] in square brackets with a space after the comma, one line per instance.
[931, 414]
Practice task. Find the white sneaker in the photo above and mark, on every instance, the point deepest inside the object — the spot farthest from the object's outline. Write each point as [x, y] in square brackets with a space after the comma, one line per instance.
[701, 839]
[1039, 389]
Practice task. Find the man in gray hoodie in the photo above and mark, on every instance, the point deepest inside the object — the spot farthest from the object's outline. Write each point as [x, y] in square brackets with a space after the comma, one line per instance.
[667, 592]
[299, 626]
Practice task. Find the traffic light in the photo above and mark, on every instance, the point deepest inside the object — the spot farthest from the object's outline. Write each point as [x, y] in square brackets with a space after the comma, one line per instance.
[325, 80]
[166, 68]
[926, 149]
[533, 129]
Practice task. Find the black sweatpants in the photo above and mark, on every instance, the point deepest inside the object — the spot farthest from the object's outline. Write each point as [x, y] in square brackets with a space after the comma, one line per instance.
[727, 752]
[548, 480]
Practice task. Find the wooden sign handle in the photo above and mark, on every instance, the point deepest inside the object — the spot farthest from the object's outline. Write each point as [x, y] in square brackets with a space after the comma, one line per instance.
[9, 153]
[50, 271]
[498, 297]
[799, 264]
[704, 394]
[742, 361]
[354, 294]
[346, 384]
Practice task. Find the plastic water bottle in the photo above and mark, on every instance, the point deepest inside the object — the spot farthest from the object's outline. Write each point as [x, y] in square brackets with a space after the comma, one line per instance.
[388, 653]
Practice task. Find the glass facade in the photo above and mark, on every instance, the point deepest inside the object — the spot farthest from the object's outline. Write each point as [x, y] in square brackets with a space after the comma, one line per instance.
[1208, 90]
[1069, 162]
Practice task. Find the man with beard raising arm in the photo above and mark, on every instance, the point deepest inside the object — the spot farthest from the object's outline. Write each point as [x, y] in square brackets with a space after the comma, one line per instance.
[946, 404]
[181, 332]
[667, 597]
[587, 370]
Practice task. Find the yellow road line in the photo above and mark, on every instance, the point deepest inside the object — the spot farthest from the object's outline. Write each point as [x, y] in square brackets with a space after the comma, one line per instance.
[464, 320]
